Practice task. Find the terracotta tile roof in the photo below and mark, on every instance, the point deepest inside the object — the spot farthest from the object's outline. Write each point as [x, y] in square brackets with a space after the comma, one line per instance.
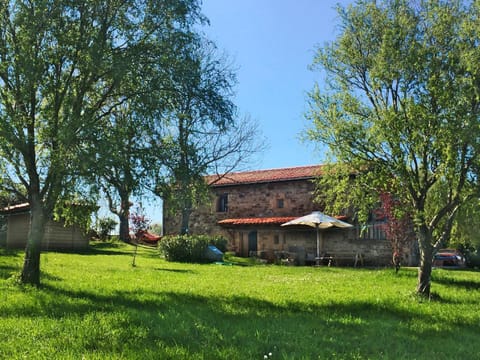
[262, 176]
[257, 221]
[265, 220]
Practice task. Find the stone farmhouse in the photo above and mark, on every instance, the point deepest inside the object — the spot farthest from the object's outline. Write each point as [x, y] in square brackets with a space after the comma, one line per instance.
[248, 209]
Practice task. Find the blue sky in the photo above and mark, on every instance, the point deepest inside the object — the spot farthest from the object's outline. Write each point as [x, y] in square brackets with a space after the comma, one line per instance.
[272, 43]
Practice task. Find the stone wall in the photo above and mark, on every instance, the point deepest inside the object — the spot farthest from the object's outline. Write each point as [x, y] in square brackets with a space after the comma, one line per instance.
[279, 199]
[248, 201]
[342, 244]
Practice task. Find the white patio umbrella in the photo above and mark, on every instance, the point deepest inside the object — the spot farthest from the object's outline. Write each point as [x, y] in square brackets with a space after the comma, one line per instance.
[319, 221]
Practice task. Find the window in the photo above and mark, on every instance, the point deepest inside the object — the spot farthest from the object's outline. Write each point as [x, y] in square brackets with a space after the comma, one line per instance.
[280, 203]
[276, 239]
[373, 231]
[222, 203]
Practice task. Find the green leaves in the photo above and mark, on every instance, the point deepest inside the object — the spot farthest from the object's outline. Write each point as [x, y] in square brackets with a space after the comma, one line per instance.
[65, 67]
[402, 108]
[401, 96]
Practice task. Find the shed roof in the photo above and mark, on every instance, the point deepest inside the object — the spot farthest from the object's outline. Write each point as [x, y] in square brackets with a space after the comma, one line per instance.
[263, 176]
[25, 207]
[13, 209]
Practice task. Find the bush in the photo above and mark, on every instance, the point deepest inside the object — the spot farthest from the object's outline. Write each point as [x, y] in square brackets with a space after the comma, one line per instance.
[473, 259]
[189, 248]
[220, 243]
[105, 227]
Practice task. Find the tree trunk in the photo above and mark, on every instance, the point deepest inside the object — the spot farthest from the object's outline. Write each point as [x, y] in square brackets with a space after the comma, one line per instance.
[186, 212]
[123, 216]
[124, 233]
[185, 220]
[426, 256]
[31, 265]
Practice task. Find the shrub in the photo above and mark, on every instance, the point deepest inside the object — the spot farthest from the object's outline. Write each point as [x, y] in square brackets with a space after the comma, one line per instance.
[220, 243]
[473, 259]
[105, 227]
[189, 248]
[138, 221]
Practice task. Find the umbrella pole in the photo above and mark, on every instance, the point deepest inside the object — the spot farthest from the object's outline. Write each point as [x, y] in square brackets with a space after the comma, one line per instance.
[318, 245]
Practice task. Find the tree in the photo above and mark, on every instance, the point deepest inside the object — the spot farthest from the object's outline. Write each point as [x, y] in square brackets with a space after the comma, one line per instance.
[401, 110]
[127, 162]
[203, 133]
[11, 196]
[465, 234]
[63, 66]
[155, 228]
[140, 224]
[124, 163]
[398, 226]
[104, 228]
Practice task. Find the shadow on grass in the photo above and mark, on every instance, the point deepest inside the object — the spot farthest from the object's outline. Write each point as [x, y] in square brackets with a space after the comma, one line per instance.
[6, 271]
[242, 327]
[107, 248]
[460, 283]
[10, 252]
[179, 271]
[119, 248]
[11, 264]
[106, 252]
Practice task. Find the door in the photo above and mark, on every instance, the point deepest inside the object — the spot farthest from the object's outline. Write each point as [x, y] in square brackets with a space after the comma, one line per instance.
[252, 242]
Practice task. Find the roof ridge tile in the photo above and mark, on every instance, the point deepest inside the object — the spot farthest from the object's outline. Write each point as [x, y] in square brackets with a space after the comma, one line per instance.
[268, 175]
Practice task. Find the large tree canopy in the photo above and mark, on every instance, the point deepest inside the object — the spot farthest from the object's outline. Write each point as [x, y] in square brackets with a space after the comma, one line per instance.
[64, 68]
[401, 110]
[201, 132]
[130, 150]
[123, 156]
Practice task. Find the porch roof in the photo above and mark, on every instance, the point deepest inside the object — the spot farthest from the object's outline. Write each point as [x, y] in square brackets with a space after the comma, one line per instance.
[257, 220]
[278, 220]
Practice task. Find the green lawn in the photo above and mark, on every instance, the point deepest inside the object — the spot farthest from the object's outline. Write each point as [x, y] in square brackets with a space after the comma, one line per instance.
[97, 306]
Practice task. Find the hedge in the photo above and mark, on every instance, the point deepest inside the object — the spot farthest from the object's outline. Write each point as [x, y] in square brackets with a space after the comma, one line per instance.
[189, 248]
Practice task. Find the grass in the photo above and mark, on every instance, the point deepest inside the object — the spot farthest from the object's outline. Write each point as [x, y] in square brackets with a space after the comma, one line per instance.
[97, 306]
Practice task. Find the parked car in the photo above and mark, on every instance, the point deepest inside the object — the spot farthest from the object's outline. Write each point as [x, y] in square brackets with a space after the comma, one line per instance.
[449, 258]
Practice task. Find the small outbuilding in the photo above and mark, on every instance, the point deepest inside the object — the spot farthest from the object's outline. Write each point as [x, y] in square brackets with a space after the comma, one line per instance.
[15, 224]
